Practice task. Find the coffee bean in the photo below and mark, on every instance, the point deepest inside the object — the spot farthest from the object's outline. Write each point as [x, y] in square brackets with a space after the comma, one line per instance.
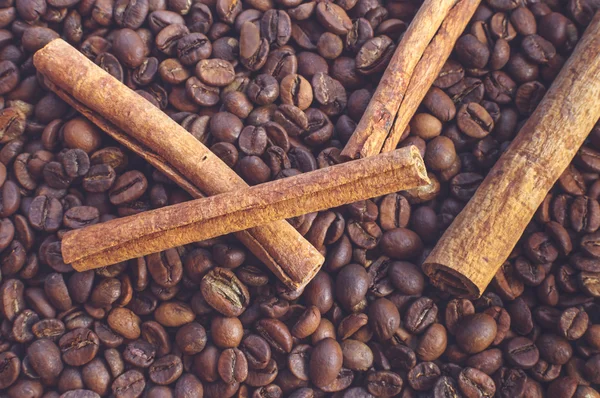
[554, 349]
[374, 55]
[79, 346]
[44, 358]
[510, 382]
[257, 351]
[474, 383]
[521, 352]
[130, 383]
[384, 318]
[276, 333]
[232, 366]
[476, 332]
[472, 52]
[325, 362]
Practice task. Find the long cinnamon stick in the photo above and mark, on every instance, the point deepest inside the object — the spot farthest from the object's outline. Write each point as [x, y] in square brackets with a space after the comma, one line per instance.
[429, 67]
[374, 126]
[130, 237]
[143, 128]
[482, 236]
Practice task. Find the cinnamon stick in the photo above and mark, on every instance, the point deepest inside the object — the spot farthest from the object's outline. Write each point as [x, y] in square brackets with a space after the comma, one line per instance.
[429, 67]
[482, 236]
[149, 232]
[374, 126]
[143, 128]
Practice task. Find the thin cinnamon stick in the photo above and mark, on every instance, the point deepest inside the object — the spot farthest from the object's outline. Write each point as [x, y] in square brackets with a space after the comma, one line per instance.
[143, 128]
[374, 126]
[130, 237]
[429, 67]
[482, 236]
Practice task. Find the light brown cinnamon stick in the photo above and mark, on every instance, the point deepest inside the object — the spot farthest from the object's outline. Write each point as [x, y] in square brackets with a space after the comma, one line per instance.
[429, 67]
[130, 237]
[482, 236]
[374, 126]
[143, 128]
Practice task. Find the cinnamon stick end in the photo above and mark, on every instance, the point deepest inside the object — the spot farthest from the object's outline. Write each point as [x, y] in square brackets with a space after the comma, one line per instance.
[451, 281]
[419, 165]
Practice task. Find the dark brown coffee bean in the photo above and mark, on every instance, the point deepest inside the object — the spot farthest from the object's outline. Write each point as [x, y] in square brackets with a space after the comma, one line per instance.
[45, 214]
[474, 120]
[423, 376]
[510, 382]
[474, 383]
[573, 323]
[528, 96]
[456, 310]
[166, 370]
[129, 384]
[374, 55]
[325, 362]
[276, 26]
[521, 352]
[81, 216]
[215, 72]
[276, 333]
[232, 366]
[44, 358]
[554, 349]
[257, 351]
[79, 346]
[472, 52]
[476, 332]
[384, 318]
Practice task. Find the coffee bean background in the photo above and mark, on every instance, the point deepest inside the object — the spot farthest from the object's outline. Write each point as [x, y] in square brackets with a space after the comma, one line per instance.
[276, 88]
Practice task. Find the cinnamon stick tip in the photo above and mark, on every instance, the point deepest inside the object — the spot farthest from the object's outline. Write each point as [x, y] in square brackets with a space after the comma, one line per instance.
[40, 53]
[419, 164]
[451, 281]
[68, 253]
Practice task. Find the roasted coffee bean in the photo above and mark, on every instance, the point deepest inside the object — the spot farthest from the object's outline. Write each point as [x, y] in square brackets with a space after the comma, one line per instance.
[521, 352]
[45, 214]
[384, 318]
[472, 52]
[276, 333]
[224, 292]
[474, 121]
[130, 383]
[476, 332]
[374, 55]
[79, 346]
[554, 349]
[474, 383]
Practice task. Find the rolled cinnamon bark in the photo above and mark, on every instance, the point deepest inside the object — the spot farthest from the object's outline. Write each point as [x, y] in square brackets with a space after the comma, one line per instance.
[482, 236]
[149, 232]
[427, 70]
[375, 125]
[143, 128]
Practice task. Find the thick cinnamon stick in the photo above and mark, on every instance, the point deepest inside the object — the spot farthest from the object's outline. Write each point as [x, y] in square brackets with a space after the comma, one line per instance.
[130, 237]
[375, 125]
[482, 236]
[429, 67]
[143, 128]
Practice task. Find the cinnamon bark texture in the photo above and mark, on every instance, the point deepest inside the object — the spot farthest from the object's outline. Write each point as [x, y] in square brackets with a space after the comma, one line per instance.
[429, 67]
[375, 125]
[146, 130]
[481, 238]
[130, 237]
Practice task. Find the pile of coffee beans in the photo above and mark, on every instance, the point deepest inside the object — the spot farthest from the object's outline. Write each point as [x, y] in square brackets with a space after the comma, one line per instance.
[276, 88]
